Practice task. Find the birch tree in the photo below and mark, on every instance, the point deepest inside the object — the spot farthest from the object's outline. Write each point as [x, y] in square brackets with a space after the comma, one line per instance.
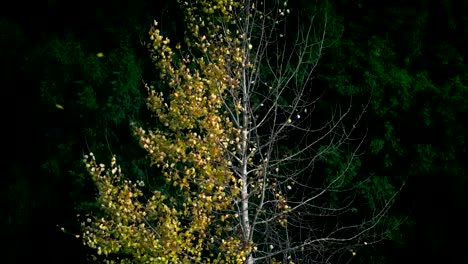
[271, 103]
[238, 88]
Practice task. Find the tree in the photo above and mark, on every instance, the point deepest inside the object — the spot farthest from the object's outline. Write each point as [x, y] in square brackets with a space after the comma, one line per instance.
[415, 78]
[236, 190]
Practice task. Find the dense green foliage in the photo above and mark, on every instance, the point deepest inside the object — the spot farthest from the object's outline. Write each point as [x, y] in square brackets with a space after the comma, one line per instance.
[406, 61]
[410, 62]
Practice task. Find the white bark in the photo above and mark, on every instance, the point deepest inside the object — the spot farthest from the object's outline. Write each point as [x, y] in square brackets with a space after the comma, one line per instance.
[264, 122]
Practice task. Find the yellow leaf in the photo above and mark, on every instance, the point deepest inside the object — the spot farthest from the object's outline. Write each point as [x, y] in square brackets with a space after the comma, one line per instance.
[59, 107]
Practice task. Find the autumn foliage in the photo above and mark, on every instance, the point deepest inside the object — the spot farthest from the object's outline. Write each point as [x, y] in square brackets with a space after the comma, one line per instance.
[190, 151]
[233, 94]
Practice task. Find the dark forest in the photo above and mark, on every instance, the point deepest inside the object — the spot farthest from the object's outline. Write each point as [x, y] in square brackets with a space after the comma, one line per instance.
[73, 81]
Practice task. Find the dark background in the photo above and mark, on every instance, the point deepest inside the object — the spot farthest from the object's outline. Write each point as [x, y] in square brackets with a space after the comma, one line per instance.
[406, 56]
